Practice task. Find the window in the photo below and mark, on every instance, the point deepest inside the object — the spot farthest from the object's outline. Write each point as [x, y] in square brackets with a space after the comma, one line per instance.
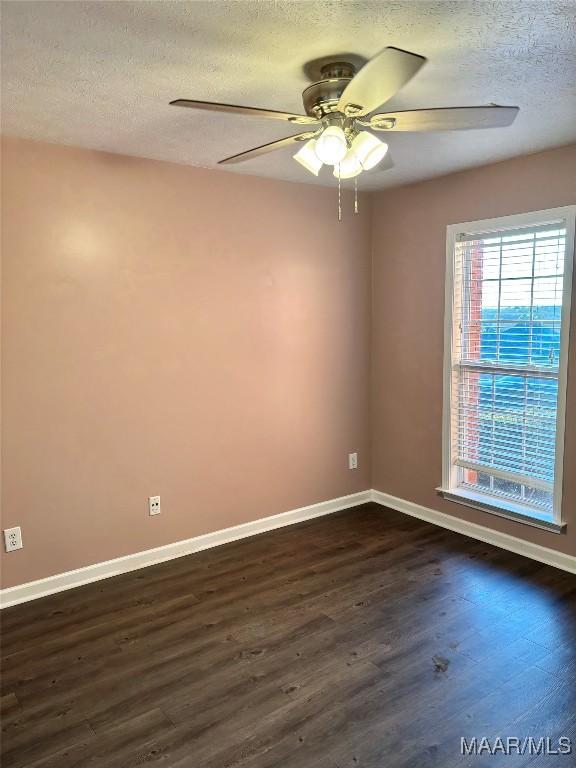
[507, 317]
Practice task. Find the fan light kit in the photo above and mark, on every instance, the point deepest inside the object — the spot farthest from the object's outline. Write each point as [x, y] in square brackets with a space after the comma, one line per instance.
[340, 121]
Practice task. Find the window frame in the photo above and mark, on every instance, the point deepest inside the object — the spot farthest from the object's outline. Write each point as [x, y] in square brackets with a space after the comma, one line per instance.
[450, 489]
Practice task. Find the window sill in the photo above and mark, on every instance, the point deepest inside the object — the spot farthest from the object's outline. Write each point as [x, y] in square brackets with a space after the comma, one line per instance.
[502, 508]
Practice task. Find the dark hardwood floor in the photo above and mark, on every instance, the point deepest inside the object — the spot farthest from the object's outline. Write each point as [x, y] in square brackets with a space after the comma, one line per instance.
[356, 640]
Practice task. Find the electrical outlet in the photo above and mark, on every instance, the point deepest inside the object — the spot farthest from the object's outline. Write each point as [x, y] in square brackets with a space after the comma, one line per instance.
[12, 538]
[154, 505]
[352, 461]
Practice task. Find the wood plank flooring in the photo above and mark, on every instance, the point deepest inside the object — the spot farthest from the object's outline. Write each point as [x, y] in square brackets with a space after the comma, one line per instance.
[358, 640]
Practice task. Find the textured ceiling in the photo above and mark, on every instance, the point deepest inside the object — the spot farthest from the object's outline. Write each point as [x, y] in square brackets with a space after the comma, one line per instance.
[101, 74]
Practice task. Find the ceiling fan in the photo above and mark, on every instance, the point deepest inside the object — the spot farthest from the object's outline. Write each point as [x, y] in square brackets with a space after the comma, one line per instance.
[339, 122]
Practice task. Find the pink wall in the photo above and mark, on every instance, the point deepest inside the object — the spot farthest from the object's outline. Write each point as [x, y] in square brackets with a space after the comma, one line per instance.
[206, 336]
[409, 235]
[174, 331]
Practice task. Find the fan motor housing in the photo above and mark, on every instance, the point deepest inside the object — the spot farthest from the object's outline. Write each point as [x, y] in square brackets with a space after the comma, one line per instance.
[321, 98]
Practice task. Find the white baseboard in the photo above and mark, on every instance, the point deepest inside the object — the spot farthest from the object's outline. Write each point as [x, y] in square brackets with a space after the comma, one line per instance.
[62, 581]
[474, 531]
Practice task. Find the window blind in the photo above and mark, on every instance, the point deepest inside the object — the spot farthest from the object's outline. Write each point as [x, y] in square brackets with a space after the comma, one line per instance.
[506, 342]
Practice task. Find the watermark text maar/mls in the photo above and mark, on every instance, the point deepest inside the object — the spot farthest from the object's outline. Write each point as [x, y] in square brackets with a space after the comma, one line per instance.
[513, 745]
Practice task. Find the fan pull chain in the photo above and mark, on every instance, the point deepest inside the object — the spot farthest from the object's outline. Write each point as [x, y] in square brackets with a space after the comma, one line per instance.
[355, 194]
[339, 196]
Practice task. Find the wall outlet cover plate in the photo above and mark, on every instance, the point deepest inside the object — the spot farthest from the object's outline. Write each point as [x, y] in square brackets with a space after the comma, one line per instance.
[13, 538]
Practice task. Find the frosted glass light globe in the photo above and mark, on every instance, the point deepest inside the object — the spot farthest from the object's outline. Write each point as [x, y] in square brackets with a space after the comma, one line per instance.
[308, 158]
[369, 150]
[331, 146]
[349, 167]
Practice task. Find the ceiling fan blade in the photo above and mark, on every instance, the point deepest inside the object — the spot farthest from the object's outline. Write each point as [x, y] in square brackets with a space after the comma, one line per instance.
[270, 147]
[379, 80]
[443, 119]
[213, 106]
